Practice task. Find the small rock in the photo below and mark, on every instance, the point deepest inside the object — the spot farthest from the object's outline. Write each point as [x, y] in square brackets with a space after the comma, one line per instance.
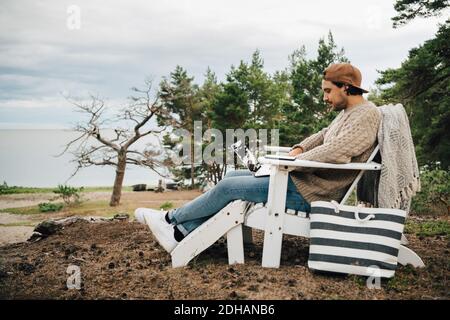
[26, 267]
[35, 237]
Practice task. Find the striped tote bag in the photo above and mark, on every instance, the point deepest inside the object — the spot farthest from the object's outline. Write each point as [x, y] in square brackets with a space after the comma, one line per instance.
[355, 240]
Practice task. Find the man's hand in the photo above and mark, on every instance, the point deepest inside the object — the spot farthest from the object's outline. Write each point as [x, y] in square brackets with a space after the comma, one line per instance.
[295, 152]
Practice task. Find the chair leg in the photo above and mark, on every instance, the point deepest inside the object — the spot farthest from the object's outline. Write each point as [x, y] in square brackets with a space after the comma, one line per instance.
[407, 256]
[235, 245]
[273, 233]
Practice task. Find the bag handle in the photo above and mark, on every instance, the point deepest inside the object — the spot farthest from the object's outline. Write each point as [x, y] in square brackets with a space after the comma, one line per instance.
[357, 217]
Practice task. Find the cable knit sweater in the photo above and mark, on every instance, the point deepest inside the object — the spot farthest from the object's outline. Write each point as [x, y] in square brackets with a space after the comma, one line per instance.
[351, 137]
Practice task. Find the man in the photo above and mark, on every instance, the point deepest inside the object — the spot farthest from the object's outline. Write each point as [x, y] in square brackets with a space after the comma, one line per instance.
[351, 137]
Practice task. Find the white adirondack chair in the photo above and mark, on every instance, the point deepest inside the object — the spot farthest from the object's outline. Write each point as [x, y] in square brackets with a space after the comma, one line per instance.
[238, 217]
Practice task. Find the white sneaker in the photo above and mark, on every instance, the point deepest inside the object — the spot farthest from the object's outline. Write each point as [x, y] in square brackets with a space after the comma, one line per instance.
[139, 215]
[163, 231]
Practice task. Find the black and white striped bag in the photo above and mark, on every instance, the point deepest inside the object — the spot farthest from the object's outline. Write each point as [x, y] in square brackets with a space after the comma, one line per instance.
[355, 240]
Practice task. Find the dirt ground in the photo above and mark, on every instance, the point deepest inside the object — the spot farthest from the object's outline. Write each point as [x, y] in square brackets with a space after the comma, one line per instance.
[121, 260]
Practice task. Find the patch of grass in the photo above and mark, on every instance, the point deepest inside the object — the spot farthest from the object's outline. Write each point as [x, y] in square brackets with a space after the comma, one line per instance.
[397, 283]
[22, 210]
[166, 205]
[359, 280]
[86, 208]
[20, 190]
[50, 207]
[403, 279]
[428, 228]
[94, 208]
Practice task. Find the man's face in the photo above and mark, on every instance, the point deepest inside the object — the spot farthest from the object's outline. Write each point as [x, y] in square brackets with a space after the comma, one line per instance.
[334, 96]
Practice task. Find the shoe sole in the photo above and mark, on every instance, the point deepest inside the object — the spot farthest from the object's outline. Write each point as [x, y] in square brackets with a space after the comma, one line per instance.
[154, 232]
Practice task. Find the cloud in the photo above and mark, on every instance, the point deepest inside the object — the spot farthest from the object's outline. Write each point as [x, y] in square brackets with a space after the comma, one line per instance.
[119, 43]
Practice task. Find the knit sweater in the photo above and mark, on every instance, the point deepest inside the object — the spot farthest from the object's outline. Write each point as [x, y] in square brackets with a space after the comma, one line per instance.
[351, 137]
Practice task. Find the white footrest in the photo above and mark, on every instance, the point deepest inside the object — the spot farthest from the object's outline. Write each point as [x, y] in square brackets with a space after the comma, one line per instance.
[208, 233]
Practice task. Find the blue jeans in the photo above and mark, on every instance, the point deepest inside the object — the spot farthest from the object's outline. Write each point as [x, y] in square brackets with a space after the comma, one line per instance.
[236, 185]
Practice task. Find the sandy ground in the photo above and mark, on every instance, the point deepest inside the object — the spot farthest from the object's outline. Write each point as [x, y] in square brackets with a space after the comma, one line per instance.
[18, 228]
[31, 199]
[14, 232]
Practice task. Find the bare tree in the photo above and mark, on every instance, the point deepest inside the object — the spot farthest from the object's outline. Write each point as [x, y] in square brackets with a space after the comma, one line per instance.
[118, 151]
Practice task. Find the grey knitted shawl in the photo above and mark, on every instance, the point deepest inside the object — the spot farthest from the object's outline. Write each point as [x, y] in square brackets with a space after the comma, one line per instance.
[399, 178]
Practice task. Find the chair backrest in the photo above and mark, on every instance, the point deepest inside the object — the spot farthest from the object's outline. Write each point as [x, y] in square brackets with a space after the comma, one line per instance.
[398, 180]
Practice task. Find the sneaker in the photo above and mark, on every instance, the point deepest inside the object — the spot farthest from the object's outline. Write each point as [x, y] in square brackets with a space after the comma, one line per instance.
[163, 231]
[139, 215]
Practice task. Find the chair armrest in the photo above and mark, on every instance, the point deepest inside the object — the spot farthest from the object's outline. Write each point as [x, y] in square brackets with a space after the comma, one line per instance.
[277, 149]
[314, 164]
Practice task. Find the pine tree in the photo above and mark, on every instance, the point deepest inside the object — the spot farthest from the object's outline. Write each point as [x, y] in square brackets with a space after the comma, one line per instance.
[307, 113]
[180, 96]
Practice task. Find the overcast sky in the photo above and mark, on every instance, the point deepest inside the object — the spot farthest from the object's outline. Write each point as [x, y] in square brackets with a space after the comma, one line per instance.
[118, 44]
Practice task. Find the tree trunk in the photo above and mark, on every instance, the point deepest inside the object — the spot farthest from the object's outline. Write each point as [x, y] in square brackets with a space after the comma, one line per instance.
[120, 174]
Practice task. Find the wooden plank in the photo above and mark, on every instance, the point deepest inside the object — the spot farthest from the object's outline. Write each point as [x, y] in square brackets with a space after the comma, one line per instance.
[235, 245]
[314, 164]
[276, 201]
[208, 233]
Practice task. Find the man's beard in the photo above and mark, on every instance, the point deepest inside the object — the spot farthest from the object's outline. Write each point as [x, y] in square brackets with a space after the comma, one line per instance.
[341, 105]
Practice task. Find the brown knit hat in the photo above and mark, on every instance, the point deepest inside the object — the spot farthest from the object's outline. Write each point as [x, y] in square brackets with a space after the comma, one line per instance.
[345, 73]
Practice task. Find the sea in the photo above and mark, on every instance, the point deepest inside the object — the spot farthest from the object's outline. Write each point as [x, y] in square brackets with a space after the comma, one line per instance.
[29, 158]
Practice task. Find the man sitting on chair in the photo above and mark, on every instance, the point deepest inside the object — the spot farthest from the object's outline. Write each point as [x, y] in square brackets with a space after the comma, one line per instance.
[351, 137]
